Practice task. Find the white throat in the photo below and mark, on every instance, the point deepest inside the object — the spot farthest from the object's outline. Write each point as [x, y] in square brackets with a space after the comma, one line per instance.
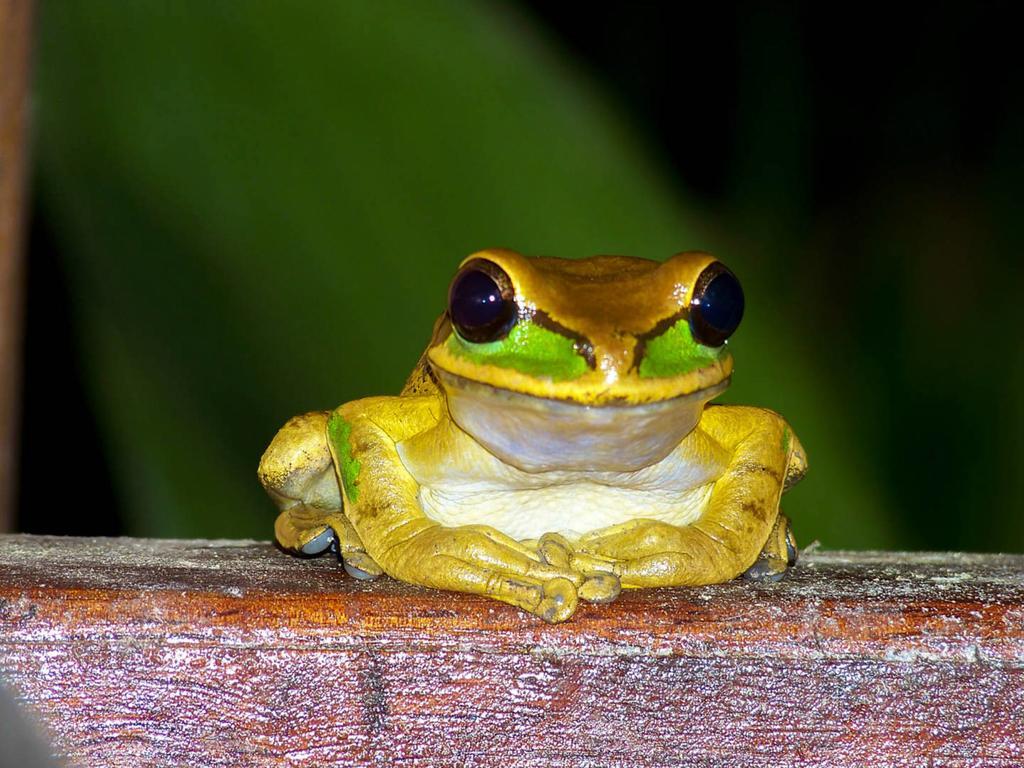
[538, 435]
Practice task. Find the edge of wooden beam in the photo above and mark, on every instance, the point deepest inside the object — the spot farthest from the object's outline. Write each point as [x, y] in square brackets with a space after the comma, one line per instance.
[134, 651]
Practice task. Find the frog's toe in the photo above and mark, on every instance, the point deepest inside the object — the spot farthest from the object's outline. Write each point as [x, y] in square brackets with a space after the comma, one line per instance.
[767, 570]
[558, 601]
[360, 565]
[602, 588]
[305, 530]
[320, 543]
[597, 582]
[554, 549]
[778, 554]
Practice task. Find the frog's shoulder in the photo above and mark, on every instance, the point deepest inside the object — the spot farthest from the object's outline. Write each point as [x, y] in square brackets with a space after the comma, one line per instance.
[730, 423]
[742, 414]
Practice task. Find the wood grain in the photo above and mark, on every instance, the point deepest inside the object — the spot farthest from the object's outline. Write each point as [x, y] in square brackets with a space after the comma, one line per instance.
[231, 653]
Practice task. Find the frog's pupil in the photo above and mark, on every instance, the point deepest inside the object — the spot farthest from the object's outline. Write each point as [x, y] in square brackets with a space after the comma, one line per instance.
[479, 310]
[717, 311]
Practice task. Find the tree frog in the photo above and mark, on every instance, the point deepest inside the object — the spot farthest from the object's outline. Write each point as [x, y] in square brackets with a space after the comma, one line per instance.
[555, 443]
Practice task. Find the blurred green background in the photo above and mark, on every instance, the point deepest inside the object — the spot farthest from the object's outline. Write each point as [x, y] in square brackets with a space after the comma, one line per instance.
[249, 210]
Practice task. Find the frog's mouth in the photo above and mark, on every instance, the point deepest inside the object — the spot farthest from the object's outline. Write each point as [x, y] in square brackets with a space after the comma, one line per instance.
[537, 434]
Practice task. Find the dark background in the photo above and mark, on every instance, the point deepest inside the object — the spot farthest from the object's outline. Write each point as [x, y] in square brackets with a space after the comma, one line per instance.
[245, 211]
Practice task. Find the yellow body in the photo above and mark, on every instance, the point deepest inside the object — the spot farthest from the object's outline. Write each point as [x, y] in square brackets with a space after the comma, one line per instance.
[555, 464]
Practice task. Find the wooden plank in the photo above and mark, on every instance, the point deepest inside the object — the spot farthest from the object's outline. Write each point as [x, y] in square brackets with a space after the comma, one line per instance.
[230, 653]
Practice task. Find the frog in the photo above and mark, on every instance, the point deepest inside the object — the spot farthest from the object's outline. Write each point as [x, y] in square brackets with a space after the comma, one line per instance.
[555, 444]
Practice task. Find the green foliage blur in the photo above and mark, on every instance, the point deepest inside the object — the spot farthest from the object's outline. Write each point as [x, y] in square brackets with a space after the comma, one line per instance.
[258, 207]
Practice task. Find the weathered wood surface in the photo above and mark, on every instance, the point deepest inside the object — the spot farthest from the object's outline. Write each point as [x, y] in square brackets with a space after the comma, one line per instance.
[146, 653]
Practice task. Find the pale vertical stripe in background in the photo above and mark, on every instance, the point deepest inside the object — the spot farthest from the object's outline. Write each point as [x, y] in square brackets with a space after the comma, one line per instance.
[15, 35]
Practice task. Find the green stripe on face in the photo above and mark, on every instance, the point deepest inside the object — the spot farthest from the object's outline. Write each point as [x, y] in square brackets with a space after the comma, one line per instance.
[338, 432]
[675, 353]
[528, 349]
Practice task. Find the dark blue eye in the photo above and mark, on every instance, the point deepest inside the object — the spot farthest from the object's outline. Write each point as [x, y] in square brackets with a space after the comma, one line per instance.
[716, 307]
[481, 302]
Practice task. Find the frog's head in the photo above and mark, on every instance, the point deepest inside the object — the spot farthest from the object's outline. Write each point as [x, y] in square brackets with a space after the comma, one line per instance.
[599, 363]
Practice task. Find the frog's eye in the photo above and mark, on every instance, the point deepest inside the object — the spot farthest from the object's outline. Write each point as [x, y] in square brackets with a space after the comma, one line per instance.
[481, 302]
[716, 307]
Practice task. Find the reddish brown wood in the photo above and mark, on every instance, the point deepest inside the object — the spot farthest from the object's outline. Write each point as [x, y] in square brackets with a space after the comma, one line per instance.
[146, 653]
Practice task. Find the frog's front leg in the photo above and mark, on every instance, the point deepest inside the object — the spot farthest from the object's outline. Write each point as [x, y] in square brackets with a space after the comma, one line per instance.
[739, 522]
[382, 501]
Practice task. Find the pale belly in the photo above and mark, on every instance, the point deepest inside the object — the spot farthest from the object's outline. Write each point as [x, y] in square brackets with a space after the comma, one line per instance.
[461, 483]
[571, 509]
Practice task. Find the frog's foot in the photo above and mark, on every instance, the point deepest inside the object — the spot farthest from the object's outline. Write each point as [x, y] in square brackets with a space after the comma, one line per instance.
[483, 561]
[778, 554]
[600, 584]
[647, 553]
[308, 530]
[650, 553]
